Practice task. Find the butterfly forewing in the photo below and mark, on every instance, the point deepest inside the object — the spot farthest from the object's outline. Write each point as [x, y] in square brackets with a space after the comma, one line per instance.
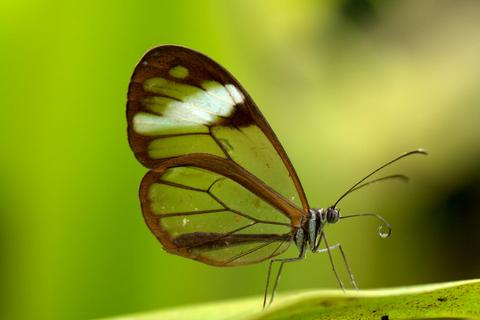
[222, 189]
[181, 102]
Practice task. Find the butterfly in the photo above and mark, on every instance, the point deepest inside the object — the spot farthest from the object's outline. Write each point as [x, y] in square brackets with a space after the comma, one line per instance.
[221, 189]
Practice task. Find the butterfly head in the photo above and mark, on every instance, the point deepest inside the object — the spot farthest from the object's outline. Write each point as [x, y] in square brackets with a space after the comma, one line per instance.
[320, 217]
[330, 215]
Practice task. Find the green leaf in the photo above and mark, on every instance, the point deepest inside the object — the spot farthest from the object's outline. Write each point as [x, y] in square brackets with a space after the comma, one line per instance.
[459, 299]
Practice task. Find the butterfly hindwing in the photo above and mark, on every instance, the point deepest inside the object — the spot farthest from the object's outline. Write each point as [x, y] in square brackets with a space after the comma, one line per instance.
[202, 214]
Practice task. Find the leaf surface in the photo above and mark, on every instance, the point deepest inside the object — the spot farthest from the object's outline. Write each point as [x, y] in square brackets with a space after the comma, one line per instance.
[460, 299]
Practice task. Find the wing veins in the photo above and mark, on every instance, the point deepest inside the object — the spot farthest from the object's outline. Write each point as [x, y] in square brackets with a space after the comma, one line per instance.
[218, 97]
[190, 103]
[219, 144]
[276, 250]
[232, 239]
[255, 219]
[230, 209]
[221, 237]
[190, 213]
[243, 254]
[180, 186]
[239, 212]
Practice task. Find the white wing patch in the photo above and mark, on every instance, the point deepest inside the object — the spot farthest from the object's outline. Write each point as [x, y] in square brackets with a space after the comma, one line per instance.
[182, 108]
[151, 125]
[236, 95]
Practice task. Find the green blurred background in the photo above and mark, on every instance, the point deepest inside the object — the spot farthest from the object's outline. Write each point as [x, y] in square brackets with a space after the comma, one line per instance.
[346, 85]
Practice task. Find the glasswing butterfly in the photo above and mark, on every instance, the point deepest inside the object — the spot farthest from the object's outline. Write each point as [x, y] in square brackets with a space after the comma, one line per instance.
[221, 189]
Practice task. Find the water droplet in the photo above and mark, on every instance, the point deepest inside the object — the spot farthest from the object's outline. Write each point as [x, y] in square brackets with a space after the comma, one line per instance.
[384, 231]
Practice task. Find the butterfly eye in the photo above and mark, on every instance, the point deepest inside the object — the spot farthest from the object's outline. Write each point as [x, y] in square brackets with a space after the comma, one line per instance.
[332, 215]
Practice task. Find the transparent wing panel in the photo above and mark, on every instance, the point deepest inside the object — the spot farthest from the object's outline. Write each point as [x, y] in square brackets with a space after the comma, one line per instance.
[240, 199]
[249, 147]
[208, 217]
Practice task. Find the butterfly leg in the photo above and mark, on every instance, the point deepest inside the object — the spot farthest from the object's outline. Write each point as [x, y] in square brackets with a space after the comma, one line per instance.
[338, 246]
[331, 260]
[277, 278]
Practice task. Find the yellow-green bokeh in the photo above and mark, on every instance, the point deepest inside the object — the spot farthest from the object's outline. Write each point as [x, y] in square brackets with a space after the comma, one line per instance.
[345, 85]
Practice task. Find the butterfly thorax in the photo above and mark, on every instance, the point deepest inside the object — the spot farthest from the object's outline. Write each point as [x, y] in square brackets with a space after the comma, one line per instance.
[311, 231]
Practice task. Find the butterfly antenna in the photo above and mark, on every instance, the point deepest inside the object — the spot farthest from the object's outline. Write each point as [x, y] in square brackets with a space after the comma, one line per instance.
[357, 185]
[402, 177]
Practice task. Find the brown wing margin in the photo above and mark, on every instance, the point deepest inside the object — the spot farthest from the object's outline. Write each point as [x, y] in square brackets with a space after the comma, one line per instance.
[247, 112]
[193, 245]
